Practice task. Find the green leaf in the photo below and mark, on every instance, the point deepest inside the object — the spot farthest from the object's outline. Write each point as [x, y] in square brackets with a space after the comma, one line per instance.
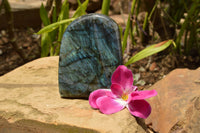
[53, 34]
[152, 11]
[124, 43]
[150, 51]
[145, 21]
[54, 26]
[79, 3]
[105, 7]
[64, 14]
[45, 44]
[54, 15]
[44, 16]
[81, 9]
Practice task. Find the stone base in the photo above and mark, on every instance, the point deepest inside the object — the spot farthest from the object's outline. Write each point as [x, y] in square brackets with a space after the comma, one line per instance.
[30, 102]
[176, 108]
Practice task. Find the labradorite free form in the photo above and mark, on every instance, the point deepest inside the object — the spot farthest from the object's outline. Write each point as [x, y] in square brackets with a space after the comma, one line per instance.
[90, 52]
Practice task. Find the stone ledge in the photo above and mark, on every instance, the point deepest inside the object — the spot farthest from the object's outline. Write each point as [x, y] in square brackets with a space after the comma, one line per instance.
[26, 13]
[30, 126]
[25, 4]
[30, 101]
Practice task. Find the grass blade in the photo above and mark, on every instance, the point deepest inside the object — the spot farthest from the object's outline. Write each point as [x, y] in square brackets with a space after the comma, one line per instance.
[54, 15]
[54, 26]
[81, 9]
[44, 16]
[64, 14]
[45, 44]
[149, 51]
[105, 7]
[124, 43]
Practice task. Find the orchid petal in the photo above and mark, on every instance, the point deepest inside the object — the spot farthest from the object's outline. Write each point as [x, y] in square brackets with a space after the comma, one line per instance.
[139, 95]
[108, 105]
[97, 94]
[117, 89]
[132, 89]
[139, 108]
[123, 76]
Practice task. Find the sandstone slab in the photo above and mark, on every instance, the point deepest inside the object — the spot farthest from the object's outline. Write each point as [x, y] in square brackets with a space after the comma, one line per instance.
[191, 121]
[30, 102]
[176, 108]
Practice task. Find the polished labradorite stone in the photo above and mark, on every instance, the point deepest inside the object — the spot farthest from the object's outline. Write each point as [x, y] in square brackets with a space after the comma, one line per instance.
[90, 52]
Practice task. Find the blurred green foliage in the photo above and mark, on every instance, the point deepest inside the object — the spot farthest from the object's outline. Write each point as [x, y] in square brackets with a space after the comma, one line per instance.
[188, 38]
[178, 20]
[53, 30]
[51, 35]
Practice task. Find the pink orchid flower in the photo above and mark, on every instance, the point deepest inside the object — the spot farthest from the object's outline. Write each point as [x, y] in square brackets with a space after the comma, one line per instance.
[122, 94]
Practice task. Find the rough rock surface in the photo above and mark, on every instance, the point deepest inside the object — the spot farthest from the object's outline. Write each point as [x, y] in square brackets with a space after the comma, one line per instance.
[30, 102]
[176, 108]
